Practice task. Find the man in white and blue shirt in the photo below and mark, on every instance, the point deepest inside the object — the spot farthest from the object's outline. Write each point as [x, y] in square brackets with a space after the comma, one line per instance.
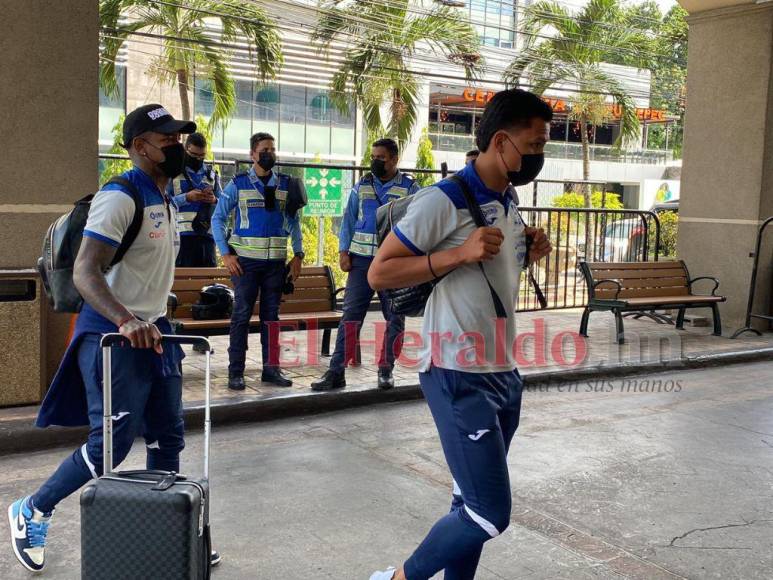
[129, 297]
[467, 363]
[357, 246]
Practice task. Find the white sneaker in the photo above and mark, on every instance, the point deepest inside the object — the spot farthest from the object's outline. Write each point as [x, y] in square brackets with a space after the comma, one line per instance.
[387, 574]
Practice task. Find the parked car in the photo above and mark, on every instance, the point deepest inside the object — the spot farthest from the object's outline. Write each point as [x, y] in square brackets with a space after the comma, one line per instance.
[623, 240]
[672, 205]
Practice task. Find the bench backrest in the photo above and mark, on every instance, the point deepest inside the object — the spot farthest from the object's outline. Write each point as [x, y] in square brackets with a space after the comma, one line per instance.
[314, 289]
[638, 279]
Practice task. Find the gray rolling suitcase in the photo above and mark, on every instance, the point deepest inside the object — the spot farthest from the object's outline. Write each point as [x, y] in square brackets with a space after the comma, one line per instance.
[145, 525]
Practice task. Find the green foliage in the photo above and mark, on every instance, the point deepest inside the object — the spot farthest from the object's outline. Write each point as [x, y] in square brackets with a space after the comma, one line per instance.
[310, 232]
[186, 49]
[573, 199]
[425, 160]
[113, 167]
[376, 69]
[669, 229]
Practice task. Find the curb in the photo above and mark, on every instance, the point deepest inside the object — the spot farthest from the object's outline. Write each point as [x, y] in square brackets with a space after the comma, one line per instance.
[18, 434]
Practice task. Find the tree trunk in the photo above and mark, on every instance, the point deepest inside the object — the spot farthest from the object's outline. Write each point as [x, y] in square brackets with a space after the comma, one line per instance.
[397, 114]
[586, 189]
[182, 85]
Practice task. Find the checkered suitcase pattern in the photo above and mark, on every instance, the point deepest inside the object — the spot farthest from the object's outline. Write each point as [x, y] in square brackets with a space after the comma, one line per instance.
[130, 530]
[145, 525]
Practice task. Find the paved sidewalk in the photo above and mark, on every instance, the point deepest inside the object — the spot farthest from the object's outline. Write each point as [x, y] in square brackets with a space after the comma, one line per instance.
[646, 341]
[649, 346]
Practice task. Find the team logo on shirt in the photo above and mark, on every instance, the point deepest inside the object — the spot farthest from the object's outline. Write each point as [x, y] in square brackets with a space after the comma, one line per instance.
[490, 214]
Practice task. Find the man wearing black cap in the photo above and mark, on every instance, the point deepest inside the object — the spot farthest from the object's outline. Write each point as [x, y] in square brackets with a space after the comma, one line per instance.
[129, 297]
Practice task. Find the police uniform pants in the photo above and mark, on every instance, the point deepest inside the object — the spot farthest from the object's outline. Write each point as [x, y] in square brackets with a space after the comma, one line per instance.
[196, 252]
[146, 401]
[261, 279]
[476, 415]
[356, 302]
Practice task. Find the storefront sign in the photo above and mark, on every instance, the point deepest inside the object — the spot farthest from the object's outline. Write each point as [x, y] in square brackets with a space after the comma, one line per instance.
[481, 97]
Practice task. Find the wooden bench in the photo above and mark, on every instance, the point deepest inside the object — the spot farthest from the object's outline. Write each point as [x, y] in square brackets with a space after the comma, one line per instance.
[644, 286]
[312, 305]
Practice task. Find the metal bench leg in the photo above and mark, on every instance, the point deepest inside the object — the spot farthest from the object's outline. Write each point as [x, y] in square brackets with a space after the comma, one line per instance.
[584, 322]
[717, 319]
[680, 319]
[619, 327]
[326, 342]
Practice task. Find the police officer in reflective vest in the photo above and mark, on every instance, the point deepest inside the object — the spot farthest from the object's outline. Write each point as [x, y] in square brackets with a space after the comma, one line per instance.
[195, 193]
[357, 246]
[264, 206]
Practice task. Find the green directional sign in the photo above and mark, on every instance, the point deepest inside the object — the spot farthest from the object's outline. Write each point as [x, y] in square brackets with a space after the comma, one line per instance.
[325, 191]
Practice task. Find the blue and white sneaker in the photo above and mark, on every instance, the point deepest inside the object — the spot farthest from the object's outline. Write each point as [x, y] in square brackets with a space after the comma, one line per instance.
[29, 528]
[387, 574]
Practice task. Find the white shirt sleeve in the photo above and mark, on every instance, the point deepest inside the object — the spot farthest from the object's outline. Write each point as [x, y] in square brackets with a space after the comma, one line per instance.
[431, 218]
[110, 214]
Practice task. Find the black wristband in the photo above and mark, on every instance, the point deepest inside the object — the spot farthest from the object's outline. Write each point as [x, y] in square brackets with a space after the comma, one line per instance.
[429, 263]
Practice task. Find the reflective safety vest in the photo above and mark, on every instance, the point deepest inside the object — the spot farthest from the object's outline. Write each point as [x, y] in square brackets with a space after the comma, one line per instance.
[372, 196]
[259, 232]
[188, 211]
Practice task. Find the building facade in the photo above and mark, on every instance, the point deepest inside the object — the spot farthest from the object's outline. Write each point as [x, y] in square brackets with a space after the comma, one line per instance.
[296, 106]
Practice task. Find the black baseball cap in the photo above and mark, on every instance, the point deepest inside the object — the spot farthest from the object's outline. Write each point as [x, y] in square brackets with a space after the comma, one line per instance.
[153, 118]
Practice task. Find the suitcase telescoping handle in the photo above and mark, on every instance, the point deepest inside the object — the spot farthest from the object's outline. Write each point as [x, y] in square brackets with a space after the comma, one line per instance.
[109, 341]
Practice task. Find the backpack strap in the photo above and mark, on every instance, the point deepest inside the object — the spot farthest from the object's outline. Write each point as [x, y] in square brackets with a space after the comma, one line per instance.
[480, 221]
[134, 227]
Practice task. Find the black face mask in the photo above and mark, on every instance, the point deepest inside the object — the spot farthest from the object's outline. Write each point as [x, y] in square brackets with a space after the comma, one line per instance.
[531, 165]
[174, 159]
[193, 162]
[266, 160]
[378, 168]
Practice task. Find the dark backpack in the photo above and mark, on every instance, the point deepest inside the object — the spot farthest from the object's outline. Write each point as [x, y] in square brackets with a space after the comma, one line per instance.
[412, 300]
[63, 240]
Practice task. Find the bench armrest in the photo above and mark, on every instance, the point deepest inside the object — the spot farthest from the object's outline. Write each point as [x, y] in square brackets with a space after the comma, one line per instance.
[171, 304]
[613, 281]
[713, 290]
[337, 292]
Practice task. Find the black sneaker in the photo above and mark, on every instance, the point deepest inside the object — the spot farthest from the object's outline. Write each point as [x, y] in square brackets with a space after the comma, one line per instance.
[275, 376]
[385, 379]
[329, 381]
[236, 383]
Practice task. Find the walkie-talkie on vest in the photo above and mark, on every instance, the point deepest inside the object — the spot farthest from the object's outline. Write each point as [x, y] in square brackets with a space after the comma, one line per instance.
[269, 195]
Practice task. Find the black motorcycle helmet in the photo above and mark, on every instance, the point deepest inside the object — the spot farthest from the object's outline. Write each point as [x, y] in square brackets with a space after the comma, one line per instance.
[215, 302]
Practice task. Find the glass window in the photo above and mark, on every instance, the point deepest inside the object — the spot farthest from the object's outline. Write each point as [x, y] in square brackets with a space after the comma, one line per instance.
[265, 112]
[318, 106]
[203, 97]
[477, 10]
[239, 129]
[342, 132]
[558, 130]
[604, 135]
[317, 121]
[267, 103]
[292, 118]
[112, 107]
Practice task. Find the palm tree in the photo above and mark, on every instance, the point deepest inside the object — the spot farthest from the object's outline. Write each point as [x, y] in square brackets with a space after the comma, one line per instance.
[186, 47]
[564, 48]
[382, 37]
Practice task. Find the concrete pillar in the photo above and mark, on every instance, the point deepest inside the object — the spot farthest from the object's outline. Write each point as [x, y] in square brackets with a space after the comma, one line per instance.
[727, 176]
[49, 123]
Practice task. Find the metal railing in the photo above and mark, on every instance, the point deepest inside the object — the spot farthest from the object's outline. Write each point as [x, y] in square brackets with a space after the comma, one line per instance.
[597, 235]
[592, 235]
[461, 143]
